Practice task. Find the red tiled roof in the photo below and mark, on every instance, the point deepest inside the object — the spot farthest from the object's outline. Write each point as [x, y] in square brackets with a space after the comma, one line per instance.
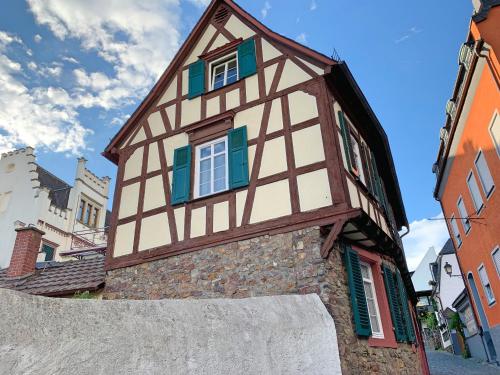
[59, 278]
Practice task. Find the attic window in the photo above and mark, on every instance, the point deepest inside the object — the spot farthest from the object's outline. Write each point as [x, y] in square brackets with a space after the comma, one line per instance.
[223, 71]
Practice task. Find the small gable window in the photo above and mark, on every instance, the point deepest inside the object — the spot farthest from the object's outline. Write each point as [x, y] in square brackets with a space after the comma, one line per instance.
[223, 72]
[239, 61]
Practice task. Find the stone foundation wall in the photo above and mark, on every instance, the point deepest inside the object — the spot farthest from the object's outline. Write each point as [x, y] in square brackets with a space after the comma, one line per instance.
[288, 263]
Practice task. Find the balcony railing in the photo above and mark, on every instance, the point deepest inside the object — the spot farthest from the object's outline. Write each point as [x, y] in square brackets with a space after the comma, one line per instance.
[88, 242]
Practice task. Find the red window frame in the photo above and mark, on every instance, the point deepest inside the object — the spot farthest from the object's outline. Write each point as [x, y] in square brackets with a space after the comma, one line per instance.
[375, 261]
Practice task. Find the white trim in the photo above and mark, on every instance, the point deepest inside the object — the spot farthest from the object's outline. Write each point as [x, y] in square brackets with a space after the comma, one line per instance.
[457, 236]
[487, 194]
[492, 301]
[478, 210]
[225, 60]
[212, 156]
[490, 126]
[371, 281]
[464, 218]
[497, 267]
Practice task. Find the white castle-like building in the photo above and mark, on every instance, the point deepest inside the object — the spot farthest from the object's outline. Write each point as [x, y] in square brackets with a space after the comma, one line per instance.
[74, 218]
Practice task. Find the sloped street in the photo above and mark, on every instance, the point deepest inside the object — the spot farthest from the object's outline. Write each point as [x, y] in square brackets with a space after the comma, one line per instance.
[442, 363]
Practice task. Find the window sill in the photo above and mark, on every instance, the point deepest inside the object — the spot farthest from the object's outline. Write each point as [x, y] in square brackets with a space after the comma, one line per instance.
[382, 343]
[223, 87]
[492, 303]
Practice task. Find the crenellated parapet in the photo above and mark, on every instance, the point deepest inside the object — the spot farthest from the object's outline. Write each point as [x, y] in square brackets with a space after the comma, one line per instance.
[99, 184]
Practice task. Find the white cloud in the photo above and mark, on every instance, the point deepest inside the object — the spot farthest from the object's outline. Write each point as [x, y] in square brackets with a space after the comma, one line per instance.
[313, 5]
[423, 234]
[265, 9]
[301, 38]
[116, 30]
[37, 38]
[70, 59]
[200, 3]
[411, 32]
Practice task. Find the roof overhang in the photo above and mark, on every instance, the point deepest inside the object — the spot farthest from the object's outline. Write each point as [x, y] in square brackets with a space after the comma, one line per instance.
[350, 96]
[486, 6]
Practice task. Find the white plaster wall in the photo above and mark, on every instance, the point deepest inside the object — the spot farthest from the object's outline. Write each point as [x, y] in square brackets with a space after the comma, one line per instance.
[238, 28]
[303, 107]
[292, 75]
[314, 190]
[271, 201]
[308, 146]
[198, 222]
[252, 118]
[221, 216]
[133, 165]
[155, 232]
[273, 157]
[450, 287]
[124, 239]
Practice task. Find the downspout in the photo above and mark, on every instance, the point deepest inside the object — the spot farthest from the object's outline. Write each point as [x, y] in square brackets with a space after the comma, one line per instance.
[407, 231]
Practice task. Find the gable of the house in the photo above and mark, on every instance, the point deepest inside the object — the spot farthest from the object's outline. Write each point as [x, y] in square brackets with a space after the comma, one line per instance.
[275, 108]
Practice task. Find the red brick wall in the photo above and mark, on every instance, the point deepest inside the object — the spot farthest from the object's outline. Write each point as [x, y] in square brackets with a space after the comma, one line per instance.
[25, 251]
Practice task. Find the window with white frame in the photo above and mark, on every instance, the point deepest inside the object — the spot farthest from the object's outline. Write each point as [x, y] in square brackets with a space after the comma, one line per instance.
[496, 259]
[495, 131]
[371, 301]
[484, 174]
[211, 171]
[486, 284]
[456, 232]
[468, 319]
[464, 218]
[474, 192]
[356, 150]
[223, 71]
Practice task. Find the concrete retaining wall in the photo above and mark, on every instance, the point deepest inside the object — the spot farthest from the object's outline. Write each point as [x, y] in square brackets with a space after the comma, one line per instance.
[263, 335]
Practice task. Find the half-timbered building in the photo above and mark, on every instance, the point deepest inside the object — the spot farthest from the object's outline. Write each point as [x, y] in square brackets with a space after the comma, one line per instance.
[255, 166]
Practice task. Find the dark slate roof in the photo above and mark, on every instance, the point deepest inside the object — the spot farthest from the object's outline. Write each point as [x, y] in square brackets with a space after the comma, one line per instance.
[485, 8]
[59, 190]
[59, 278]
[448, 248]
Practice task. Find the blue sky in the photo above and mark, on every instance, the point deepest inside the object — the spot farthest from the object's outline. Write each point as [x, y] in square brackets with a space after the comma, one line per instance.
[72, 71]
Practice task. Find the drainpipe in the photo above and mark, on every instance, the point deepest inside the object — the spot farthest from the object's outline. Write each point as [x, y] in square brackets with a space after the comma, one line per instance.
[407, 231]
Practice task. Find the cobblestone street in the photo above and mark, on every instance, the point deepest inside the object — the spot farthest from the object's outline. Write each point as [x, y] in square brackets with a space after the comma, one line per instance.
[442, 363]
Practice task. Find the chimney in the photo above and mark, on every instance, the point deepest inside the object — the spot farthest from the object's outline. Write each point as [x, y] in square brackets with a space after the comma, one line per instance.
[25, 251]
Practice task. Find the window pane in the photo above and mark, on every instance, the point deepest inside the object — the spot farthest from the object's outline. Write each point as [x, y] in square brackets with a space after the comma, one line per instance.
[484, 174]
[219, 81]
[456, 232]
[495, 132]
[496, 260]
[232, 75]
[220, 147]
[463, 215]
[205, 165]
[204, 189]
[474, 191]
[219, 185]
[205, 151]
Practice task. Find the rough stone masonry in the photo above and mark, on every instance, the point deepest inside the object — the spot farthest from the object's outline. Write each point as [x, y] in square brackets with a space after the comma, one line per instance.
[278, 264]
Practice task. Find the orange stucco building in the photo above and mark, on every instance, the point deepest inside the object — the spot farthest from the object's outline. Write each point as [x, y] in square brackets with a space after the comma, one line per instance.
[468, 171]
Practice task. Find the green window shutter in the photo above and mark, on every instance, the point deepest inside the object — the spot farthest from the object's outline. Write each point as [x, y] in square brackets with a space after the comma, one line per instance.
[181, 175]
[403, 296]
[357, 292]
[238, 157]
[247, 63]
[49, 252]
[346, 138]
[397, 319]
[196, 79]
[377, 181]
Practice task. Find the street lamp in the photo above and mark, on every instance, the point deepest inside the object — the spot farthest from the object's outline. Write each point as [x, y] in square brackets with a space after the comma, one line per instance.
[449, 270]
